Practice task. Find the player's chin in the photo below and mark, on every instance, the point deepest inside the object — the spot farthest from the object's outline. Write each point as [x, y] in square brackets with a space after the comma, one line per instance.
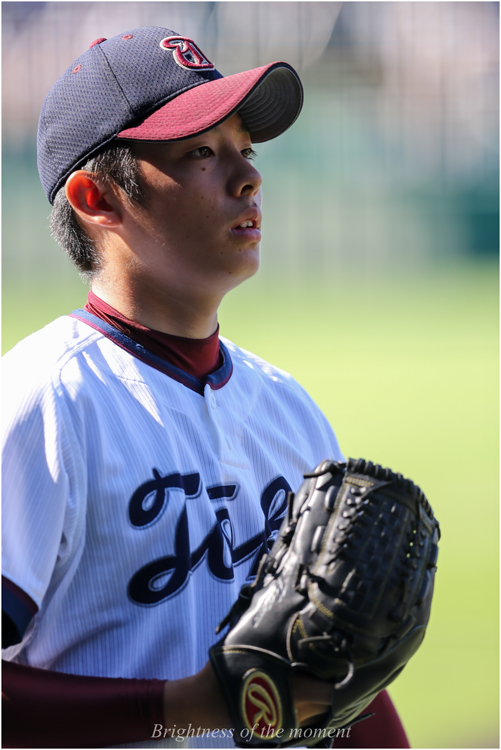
[244, 264]
[250, 258]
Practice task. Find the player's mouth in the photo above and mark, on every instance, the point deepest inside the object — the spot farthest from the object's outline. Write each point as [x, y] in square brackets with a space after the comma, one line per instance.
[248, 226]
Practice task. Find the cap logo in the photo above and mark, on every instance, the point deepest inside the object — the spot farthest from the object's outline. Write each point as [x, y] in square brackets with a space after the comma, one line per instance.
[186, 53]
[261, 706]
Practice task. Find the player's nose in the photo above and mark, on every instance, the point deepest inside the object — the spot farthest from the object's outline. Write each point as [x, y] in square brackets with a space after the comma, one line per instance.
[246, 179]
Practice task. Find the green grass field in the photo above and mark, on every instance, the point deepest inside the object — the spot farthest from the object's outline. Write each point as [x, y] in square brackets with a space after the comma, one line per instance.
[407, 373]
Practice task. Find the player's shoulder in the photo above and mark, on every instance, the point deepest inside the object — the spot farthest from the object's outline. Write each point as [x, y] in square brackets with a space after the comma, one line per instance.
[272, 395]
[255, 369]
[52, 345]
[38, 360]
[258, 367]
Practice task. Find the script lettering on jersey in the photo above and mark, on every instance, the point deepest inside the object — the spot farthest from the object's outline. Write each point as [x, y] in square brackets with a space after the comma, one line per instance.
[165, 577]
[150, 499]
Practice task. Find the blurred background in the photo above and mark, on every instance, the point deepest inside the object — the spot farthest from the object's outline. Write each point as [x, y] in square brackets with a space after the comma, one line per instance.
[379, 281]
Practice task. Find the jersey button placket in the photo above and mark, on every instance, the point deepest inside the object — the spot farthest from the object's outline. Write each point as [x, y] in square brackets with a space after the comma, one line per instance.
[212, 409]
[216, 413]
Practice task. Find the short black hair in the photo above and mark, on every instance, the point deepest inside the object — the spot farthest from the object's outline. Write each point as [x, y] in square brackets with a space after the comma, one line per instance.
[115, 162]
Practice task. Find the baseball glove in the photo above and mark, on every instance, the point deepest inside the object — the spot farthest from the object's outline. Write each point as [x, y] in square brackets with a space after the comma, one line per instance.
[344, 594]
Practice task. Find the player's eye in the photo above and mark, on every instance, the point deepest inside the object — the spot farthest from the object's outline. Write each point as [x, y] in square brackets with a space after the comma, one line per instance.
[202, 152]
[249, 153]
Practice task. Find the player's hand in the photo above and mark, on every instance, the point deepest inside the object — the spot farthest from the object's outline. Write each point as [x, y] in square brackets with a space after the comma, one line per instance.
[198, 700]
[312, 696]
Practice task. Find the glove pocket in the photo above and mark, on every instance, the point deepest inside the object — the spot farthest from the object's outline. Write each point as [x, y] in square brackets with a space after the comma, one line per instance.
[325, 653]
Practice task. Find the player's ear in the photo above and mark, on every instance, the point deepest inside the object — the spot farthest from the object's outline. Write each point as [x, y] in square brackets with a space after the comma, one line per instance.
[93, 201]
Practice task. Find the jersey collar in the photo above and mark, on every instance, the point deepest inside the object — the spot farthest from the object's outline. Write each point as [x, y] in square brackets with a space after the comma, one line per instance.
[216, 379]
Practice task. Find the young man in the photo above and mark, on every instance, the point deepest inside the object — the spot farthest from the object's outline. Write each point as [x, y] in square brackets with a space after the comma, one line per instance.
[147, 461]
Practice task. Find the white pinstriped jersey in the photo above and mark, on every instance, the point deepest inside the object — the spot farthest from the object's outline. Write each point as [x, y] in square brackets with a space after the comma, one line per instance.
[135, 507]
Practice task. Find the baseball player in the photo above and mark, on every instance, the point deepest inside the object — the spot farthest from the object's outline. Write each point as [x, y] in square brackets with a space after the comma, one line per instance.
[147, 459]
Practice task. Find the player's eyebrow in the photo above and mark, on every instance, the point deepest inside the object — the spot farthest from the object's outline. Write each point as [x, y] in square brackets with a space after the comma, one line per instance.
[242, 129]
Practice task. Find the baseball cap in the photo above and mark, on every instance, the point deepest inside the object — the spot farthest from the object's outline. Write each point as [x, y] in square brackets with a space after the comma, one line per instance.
[153, 84]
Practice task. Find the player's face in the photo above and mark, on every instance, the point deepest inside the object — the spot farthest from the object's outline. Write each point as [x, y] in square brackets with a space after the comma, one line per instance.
[200, 229]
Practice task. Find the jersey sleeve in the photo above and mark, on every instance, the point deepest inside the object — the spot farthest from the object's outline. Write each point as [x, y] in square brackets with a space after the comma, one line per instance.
[42, 480]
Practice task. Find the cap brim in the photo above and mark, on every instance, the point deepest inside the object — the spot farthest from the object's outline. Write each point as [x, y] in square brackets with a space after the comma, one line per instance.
[268, 99]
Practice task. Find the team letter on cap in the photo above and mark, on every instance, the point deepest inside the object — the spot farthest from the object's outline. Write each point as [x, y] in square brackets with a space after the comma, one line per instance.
[186, 53]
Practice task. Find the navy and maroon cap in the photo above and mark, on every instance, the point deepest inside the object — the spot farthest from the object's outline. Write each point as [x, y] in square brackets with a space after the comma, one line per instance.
[152, 84]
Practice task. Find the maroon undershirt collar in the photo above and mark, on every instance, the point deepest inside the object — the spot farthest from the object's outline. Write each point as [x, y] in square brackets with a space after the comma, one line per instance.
[197, 357]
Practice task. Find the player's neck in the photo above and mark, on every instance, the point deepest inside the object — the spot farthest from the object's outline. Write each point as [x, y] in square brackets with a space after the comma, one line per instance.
[174, 313]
